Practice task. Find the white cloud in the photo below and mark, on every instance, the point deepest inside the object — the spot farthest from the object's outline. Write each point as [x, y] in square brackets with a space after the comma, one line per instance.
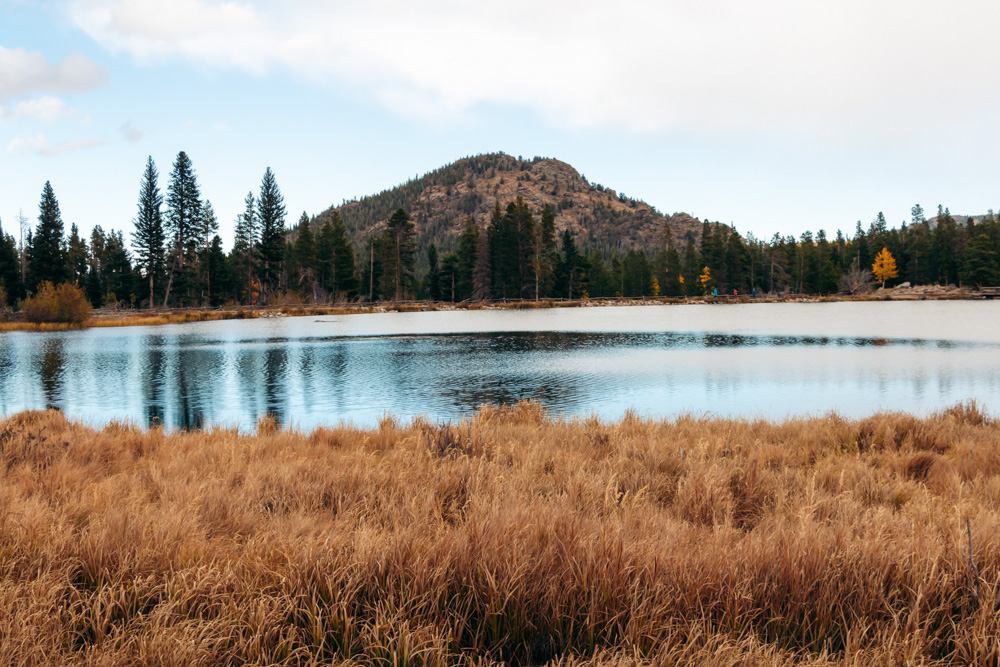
[221, 127]
[25, 72]
[45, 108]
[712, 66]
[37, 144]
[130, 132]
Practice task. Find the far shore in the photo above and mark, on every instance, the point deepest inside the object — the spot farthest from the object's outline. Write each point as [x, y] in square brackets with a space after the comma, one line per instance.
[126, 317]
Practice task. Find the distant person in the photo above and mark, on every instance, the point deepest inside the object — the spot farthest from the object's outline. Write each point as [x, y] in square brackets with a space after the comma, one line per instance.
[735, 292]
[753, 293]
[715, 291]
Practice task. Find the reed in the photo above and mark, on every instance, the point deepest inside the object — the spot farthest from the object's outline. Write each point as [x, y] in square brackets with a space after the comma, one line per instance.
[508, 537]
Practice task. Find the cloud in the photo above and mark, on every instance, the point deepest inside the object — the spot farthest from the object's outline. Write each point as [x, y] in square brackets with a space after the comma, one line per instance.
[646, 66]
[37, 144]
[25, 72]
[130, 132]
[45, 108]
[221, 127]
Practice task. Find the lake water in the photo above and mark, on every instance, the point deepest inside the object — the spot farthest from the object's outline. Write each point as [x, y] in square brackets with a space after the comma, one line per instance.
[769, 360]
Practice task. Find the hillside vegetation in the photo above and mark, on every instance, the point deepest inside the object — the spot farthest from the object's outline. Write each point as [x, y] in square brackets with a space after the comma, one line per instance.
[440, 203]
[509, 537]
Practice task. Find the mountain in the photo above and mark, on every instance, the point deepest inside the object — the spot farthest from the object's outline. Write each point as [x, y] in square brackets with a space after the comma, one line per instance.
[441, 202]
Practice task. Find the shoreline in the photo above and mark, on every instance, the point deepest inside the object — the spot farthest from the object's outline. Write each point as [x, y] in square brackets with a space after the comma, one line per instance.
[125, 318]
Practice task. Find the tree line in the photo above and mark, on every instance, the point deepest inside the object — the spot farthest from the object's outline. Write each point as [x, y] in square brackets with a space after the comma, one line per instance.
[175, 256]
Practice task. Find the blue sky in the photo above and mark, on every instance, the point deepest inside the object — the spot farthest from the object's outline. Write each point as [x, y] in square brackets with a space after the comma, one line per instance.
[777, 115]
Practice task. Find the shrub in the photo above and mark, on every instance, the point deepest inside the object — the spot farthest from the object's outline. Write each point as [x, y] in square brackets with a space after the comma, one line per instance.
[65, 303]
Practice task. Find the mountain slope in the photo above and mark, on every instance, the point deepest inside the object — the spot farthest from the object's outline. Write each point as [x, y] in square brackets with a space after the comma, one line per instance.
[441, 202]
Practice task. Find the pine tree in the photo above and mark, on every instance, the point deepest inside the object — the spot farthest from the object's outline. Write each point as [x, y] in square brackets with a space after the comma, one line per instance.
[245, 247]
[208, 228]
[76, 256]
[46, 255]
[148, 237]
[305, 256]
[449, 277]
[468, 249]
[271, 217]
[344, 272]
[482, 273]
[433, 274]
[399, 236]
[183, 220]
[545, 252]
[10, 270]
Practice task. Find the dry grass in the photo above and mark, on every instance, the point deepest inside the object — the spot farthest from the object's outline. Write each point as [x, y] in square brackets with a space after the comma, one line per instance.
[508, 537]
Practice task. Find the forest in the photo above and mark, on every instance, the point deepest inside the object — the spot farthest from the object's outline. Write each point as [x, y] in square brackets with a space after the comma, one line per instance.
[174, 256]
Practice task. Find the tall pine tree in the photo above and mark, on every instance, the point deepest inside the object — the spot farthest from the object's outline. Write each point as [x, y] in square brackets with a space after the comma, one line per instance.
[148, 237]
[183, 221]
[271, 218]
[46, 254]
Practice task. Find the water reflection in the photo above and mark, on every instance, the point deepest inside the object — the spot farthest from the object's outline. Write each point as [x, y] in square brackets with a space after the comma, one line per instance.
[51, 370]
[306, 373]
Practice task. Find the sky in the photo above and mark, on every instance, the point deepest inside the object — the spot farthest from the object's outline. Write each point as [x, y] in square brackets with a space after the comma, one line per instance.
[777, 116]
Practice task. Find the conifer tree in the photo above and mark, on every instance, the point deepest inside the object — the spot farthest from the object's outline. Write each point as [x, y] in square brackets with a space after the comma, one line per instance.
[449, 277]
[10, 270]
[148, 237]
[433, 274]
[468, 249]
[245, 246]
[399, 237]
[271, 218]
[305, 256]
[482, 272]
[545, 252]
[344, 272]
[46, 254]
[76, 256]
[207, 230]
[183, 219]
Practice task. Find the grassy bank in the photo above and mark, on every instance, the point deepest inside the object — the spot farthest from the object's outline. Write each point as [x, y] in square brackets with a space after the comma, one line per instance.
[126, 318]
[509, 537]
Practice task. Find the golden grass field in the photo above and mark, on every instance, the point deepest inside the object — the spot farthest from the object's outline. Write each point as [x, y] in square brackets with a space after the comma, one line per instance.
[510, 537]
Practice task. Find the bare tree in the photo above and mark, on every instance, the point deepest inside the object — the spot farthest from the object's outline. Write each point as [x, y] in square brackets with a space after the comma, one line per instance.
[856, 280]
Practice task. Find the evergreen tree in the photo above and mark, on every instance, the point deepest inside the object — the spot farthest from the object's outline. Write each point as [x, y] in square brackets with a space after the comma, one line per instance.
[482, 273]
[449, 277]
[467, 258]
[148, 237]
[399, 236]
[218, 268]
[76, 257]
[207, 229]
[545, 253]
[337, 256]
[691, 269]
[433, 274]
[245, 247]
[46, 254]
[271, 218]
[305, 256]
[981, 265]
[569, 268]
[10, 270]
[183, 220]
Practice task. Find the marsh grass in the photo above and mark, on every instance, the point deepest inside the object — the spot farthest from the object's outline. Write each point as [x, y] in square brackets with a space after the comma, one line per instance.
[508, 537]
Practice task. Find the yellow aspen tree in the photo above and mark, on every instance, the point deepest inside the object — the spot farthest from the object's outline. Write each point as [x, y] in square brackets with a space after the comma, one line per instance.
[884, 267]
[705, 279]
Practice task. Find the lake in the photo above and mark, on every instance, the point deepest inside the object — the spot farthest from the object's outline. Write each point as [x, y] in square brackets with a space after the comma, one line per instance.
[756, 360]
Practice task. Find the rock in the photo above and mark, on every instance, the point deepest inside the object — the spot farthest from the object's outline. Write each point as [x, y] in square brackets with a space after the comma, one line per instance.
[905, 285]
